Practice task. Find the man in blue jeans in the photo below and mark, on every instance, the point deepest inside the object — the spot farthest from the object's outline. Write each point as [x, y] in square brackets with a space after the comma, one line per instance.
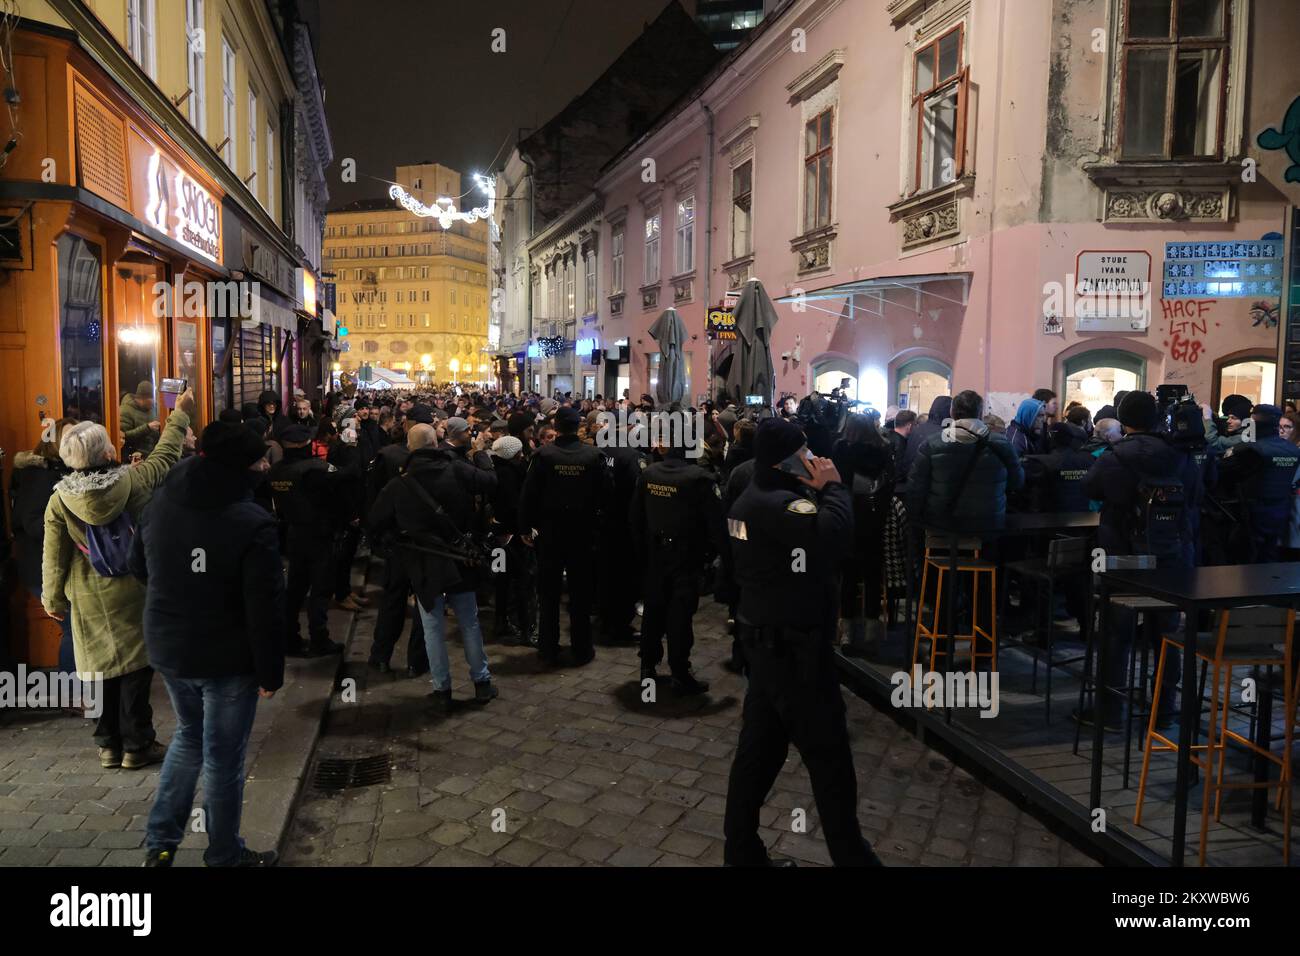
[425, 514]
[215, 629]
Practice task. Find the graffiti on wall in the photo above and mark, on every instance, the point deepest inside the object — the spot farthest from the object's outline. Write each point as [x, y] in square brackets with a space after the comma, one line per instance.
[1287, 138]
[1187, 322]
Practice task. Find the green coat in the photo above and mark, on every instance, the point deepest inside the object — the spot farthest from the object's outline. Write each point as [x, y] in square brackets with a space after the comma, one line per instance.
[107, 613]
[135, 424]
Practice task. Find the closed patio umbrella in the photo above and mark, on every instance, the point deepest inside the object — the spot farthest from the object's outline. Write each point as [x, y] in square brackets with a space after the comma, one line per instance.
[751, 371]
[670, 332]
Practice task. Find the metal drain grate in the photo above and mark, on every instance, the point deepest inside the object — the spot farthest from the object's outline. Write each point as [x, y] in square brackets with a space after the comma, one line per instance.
[350, 773]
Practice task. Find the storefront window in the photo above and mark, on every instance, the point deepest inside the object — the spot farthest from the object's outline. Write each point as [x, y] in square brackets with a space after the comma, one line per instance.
[188, 366]
[1254, 378]
[1094, 378]
[920, 382]
[81, 329]
[220, 367]
[137, 342]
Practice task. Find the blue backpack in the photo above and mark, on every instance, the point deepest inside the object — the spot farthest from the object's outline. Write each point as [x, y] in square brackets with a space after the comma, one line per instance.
[108, 546]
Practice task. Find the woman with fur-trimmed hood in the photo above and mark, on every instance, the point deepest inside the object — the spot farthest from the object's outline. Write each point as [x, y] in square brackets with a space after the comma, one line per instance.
[107, 612]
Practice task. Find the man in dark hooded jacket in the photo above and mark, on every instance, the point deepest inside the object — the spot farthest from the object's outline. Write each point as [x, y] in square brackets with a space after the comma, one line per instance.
[963, 482]
[268, 407]
[922, 432]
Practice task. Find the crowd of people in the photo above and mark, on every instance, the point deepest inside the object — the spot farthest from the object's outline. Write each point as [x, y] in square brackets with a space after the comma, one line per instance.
[196, 558]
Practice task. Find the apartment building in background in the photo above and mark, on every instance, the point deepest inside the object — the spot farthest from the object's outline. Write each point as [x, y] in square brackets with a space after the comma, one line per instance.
[412, 295]
[946, 194]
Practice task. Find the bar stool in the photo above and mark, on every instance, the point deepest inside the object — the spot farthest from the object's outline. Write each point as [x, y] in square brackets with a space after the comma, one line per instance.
[938, 559]
[1145, 610]
[1243, 637]
[1066, 558]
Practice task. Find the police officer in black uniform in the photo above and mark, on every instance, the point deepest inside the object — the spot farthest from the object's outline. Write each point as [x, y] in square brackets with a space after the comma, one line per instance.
[312, 500]
[1260, 473]
[789, 535]
[1056, 478]
[618, 582]
[675, 512]
[566, 488]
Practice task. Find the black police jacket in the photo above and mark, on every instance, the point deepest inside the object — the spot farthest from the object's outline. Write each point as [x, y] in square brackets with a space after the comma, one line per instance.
[1259, 475]
[567, 486]
[1057, 479]
[624, 466]
[303, 489]
[676, 499]
[787, 546]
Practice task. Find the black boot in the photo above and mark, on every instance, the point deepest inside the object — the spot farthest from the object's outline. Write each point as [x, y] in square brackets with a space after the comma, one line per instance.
[685, 684]
[441, 701]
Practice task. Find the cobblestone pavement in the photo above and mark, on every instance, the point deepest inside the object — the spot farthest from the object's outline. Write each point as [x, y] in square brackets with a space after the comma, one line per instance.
[59, 807]
[575, 769]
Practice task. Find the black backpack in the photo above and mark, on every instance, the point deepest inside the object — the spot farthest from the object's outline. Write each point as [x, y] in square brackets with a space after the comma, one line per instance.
[1158, 523]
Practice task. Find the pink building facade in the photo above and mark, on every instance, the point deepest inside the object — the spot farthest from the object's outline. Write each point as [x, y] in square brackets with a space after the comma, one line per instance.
[937, 192]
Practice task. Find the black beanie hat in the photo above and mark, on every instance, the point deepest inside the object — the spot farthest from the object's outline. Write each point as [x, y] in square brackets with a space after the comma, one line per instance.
[776, 440]
[1139, 410]
[1238, 406]
[230, 444]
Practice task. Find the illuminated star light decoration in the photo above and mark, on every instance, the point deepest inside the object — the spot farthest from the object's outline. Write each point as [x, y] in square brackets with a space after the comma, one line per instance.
[444, 209]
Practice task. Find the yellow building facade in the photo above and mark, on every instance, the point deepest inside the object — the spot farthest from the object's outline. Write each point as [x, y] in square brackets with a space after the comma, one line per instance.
[217, 61]
[412, 295]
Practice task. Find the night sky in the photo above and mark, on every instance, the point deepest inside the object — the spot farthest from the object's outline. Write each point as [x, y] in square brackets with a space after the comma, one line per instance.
[414, 80]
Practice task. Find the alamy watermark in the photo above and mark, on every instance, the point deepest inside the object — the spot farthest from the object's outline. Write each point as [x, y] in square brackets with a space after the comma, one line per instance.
[192, 299]
[954, 689]
[37, 689]
[648, 430]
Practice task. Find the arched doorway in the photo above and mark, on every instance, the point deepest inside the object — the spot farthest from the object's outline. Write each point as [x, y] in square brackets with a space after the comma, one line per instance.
[829, 372]
[919, 382]
[1251, 373]
[1093, 378]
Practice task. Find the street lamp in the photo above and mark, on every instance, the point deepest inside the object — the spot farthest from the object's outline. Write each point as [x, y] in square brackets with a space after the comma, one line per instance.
[454, 365]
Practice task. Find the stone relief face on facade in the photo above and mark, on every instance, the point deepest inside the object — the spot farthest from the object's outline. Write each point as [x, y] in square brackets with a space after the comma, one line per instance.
[931, 225]
[1167, 205]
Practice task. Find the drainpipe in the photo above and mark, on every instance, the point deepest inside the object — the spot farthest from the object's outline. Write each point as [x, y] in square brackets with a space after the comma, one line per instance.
[528, 279]
[708, 235]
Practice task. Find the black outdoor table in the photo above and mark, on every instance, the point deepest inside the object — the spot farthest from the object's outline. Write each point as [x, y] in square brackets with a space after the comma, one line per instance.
[1192, 590]
[1012, 525]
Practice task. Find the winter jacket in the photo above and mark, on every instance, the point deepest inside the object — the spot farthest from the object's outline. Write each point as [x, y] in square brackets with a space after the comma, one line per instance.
[505, 500]
[736, 454]
[922, 432]
[1056, 478]
[276, 422]
[219, 613]
[451, 480]
[1020, 430]
[107, 613]
[1113, 480]
[134, 423]
[862, 467]
[936, 495]
[33, 481]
